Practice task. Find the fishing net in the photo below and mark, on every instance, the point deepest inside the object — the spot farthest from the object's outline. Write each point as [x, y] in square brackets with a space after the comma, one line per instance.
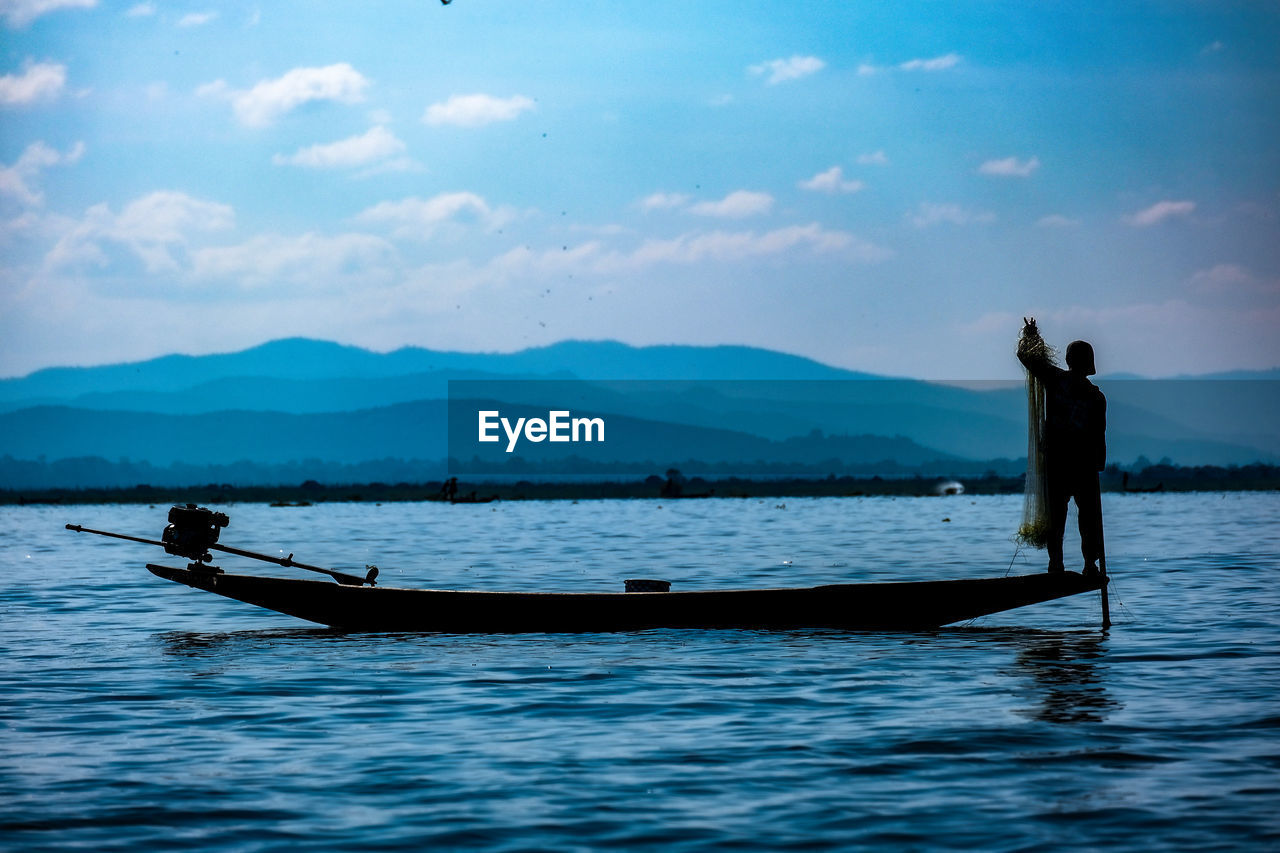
[1034, 530]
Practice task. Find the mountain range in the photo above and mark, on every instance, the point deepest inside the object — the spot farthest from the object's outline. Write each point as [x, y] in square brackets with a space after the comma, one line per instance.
[294, 400]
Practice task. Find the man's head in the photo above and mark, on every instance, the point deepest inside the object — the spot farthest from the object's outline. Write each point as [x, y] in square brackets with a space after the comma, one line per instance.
[1080, 358]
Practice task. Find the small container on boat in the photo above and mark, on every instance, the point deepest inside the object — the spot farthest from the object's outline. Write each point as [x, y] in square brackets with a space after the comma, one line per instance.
[647, 585]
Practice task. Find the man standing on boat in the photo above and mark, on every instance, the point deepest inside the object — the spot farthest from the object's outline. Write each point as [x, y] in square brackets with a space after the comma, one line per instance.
[1075, 447]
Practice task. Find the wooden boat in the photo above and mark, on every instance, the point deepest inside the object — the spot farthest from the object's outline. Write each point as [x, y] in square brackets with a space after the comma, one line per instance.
[913, 605]
[472, 498]
[356, 604]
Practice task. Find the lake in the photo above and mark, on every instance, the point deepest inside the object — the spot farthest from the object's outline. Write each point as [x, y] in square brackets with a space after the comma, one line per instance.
[137, 714]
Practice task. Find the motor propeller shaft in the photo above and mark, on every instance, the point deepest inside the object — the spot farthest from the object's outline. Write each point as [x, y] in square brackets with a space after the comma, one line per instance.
[181, 541]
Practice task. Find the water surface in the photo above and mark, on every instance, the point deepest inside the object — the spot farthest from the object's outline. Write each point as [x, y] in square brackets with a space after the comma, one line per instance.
[137, 714]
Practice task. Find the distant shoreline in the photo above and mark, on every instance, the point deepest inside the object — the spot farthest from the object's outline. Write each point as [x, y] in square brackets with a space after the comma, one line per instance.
[1157, 478]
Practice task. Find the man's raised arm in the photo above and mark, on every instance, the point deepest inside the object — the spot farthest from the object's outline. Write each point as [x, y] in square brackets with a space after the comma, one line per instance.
[1036, 356]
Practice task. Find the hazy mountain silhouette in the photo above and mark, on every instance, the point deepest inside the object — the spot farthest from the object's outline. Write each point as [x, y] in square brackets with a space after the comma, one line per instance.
[306, 359]
[416, 430]
[301, 399]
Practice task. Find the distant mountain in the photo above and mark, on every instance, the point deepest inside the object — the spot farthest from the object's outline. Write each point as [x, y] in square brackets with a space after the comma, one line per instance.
[298, 399]
[415, 430]
[272, 394]
[1248, 375]
[301, 359]
[1269, 375]
[411, 430]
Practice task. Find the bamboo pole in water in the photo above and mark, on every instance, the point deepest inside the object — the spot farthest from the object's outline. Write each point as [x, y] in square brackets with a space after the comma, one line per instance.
[1102, 563]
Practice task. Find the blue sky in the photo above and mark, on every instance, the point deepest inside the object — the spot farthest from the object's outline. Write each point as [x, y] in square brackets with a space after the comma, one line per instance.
[884, 187]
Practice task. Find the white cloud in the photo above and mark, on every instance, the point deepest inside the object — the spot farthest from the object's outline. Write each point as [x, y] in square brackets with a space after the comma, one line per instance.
[743, 245]
[19, 13]
[33, 227]
[16, 180]
[1212, 47]
[1010, 167]
[1057, 220]
[929, 213]
[875, 158]
[781, 70]
[418, 218]
[216, 89]
[476, 110]
[170, 232]
[141, 10]
[1159, 212]
[311, 261]
[607, 230]
[270, 99]
[663, 201]
[736, 205]
[1233, 278]
[725, 246]
[376, 144]
[42, 81]
[522, 260]
[155, 228]
[831, 181]
[937, 63]
[196, 19]
[684, 250]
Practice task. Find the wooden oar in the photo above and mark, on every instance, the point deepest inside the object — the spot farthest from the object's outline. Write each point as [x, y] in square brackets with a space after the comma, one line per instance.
[340, 577]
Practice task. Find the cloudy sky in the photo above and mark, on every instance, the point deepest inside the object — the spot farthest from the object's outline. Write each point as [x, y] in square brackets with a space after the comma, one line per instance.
[882, 186]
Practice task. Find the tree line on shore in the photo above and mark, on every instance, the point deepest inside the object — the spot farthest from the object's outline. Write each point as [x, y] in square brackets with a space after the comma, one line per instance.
[1161, 477]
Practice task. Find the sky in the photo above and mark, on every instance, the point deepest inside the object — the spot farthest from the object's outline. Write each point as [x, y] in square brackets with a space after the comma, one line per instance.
[886, 187]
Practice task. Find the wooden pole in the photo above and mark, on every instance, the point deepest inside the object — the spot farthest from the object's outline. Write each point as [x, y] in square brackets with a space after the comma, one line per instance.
[1102, 563]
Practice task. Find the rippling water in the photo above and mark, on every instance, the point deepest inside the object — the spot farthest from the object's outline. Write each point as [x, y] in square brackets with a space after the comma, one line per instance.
[137, 714]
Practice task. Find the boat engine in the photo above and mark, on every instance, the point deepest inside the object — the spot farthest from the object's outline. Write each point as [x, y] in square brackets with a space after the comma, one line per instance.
[192, 529]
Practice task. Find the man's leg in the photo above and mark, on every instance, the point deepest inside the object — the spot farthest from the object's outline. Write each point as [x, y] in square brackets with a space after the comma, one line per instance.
[1089, 511]
[1058, 493]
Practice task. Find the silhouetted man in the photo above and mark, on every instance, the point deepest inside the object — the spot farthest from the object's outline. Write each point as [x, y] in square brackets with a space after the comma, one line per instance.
[1075, 447]
[449, 490]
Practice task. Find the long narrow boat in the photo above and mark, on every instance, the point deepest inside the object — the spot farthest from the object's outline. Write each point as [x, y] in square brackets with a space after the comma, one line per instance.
[913, 605]
[356, 603]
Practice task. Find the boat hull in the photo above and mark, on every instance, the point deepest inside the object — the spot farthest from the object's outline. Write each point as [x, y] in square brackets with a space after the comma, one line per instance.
[914, 605]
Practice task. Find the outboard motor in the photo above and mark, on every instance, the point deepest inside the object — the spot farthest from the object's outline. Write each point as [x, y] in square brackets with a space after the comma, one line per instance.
[192, 529]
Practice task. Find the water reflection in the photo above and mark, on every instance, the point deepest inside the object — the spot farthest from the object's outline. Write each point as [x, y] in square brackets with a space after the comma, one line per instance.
[1063, 669]
[1064, 672]
[204, 643]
